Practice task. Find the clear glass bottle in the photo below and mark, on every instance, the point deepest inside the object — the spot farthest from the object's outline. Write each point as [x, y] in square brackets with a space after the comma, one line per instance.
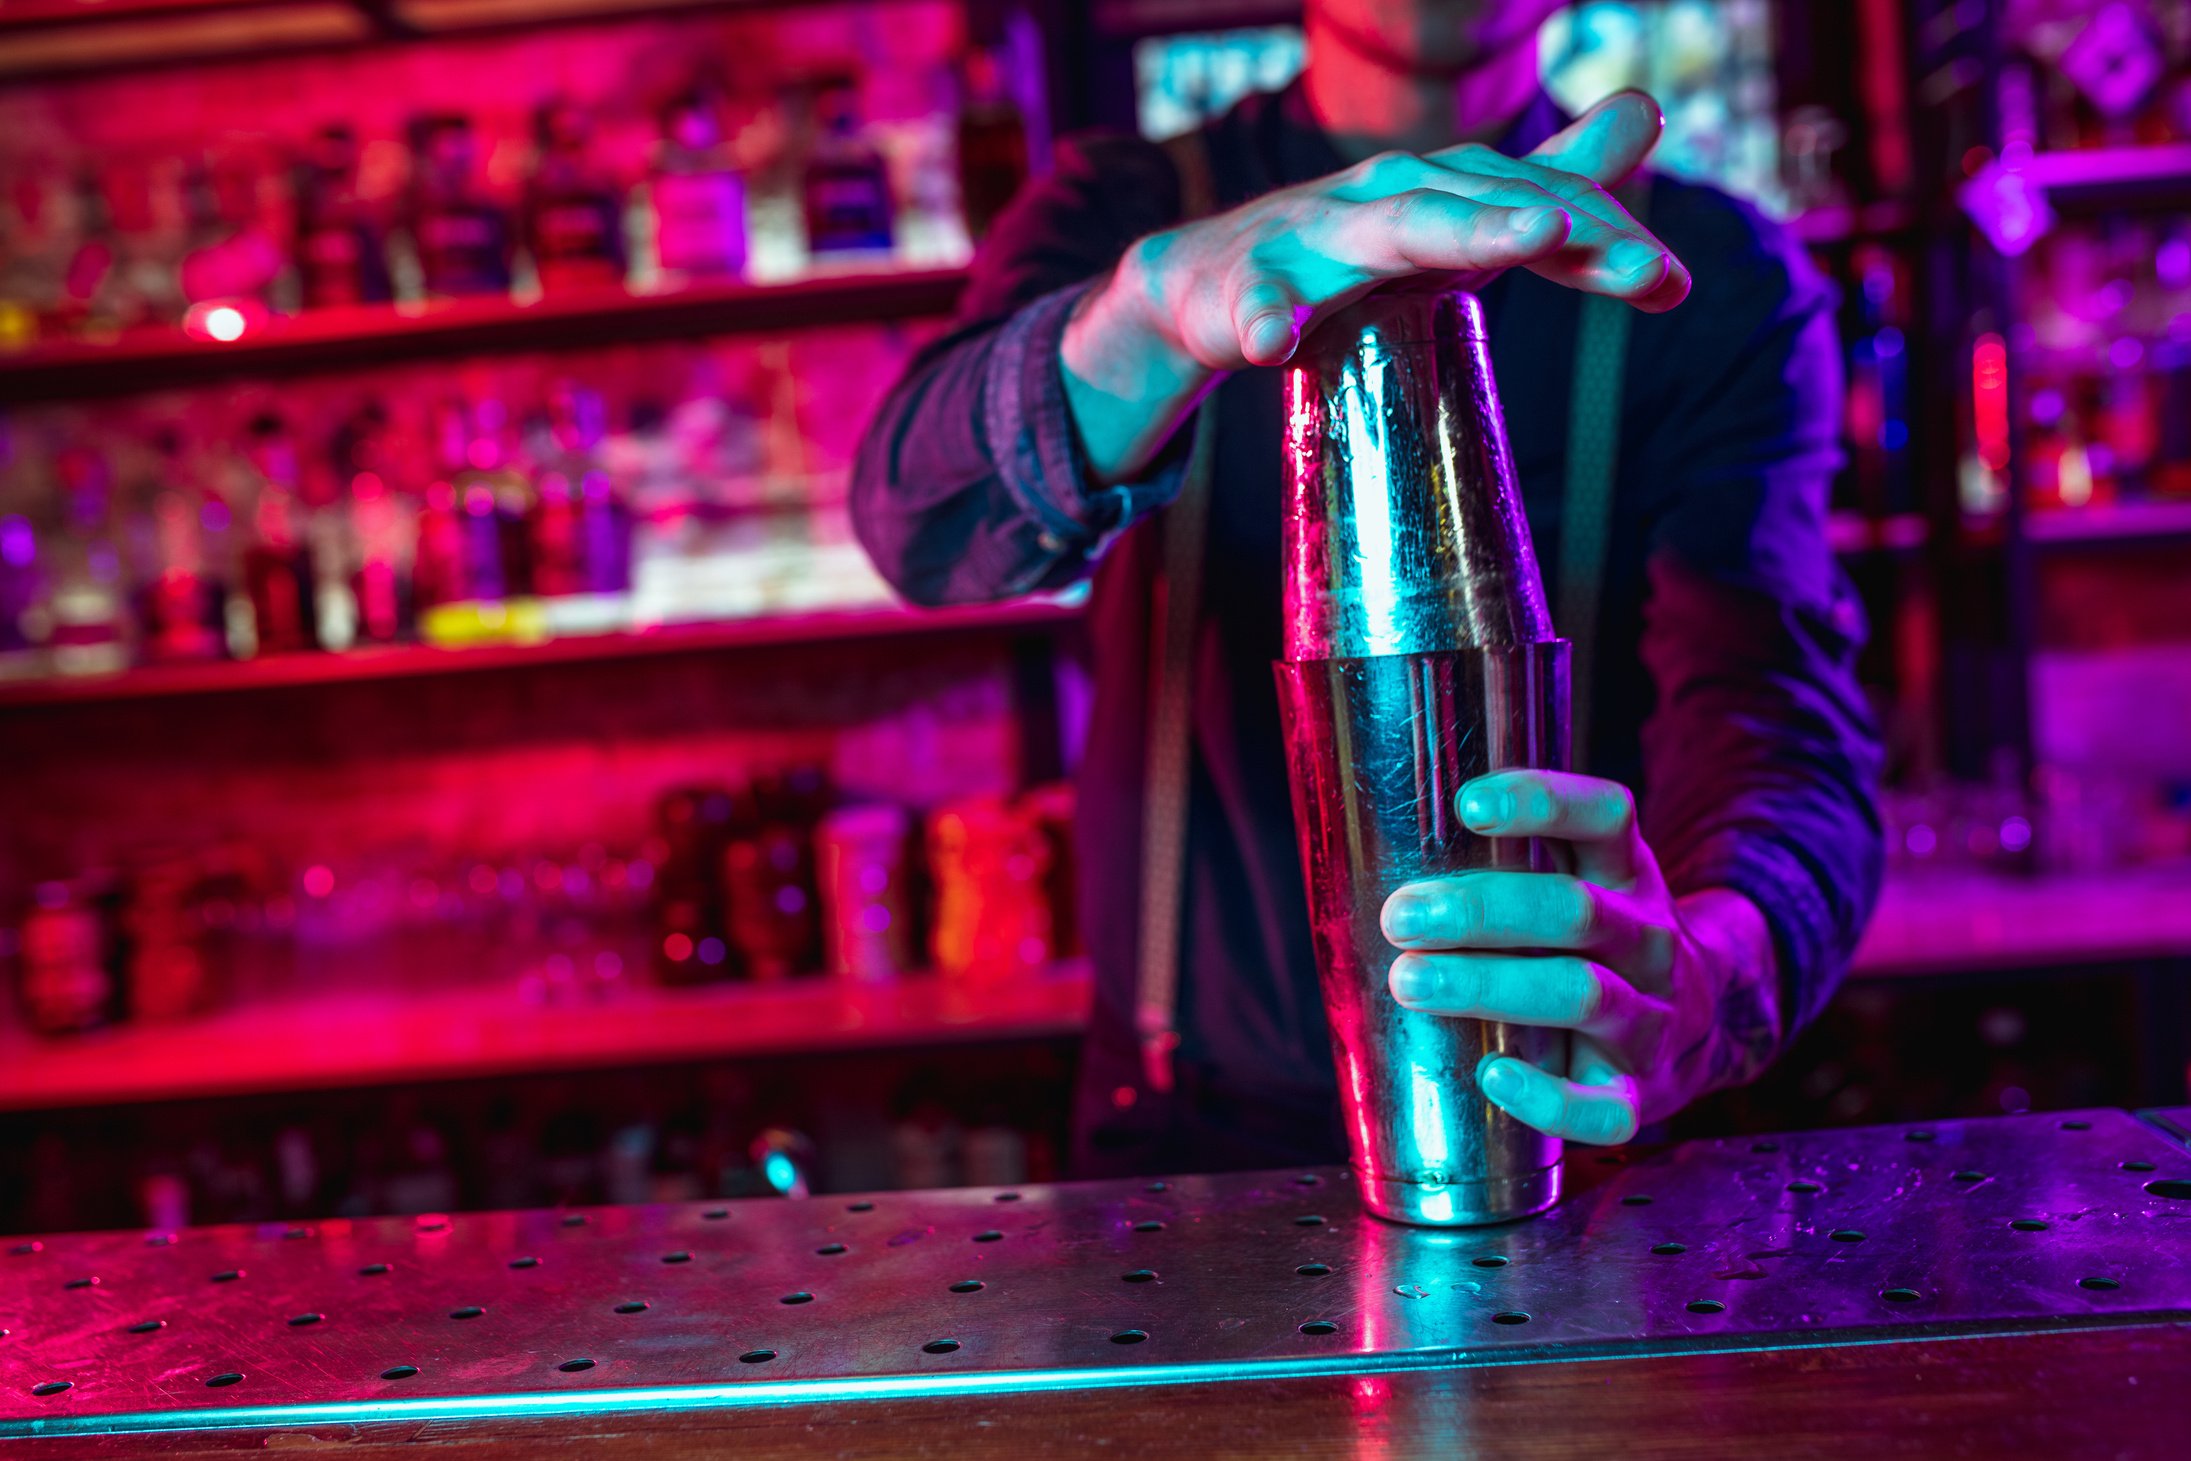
[574, 224]
[461, 237]
[849, 208]
[698, 198]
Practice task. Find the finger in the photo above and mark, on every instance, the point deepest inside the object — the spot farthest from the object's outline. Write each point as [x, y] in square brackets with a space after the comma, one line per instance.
[1267, 320]
[1596, 816]
[1518, 910]
[1556, 991]
[1611, 252]
[1432, 229]
[1602, 1114]
[1608, 142]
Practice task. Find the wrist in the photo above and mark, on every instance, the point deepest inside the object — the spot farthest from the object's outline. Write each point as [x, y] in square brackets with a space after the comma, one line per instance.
[1128, 378]
[1742, 978]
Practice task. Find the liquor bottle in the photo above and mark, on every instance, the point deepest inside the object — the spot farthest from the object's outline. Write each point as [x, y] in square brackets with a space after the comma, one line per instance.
[22, 640]
[277, 564]
[90, 626]
[341, 251]
[581, 528]
[847, 185]
[228, 258]
[992, 143]
[694, 825]
[380, 587]
[698, 198]
[69, 959]
[181, 602]
[462, 238]
[574, 224]
[473, 576]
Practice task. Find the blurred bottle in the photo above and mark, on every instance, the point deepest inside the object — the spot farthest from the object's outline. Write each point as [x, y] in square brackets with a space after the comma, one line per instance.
[93, 296]
[581, 527]
[847, 185]
[988, 860]
[768, 876]
[462, 239]
[229, 259]
[474, 569]
[90, 627]
[167, 974]
[694, 824]
[698, 198]
[574, 223]
[861, 872]
[380, 585]
[22, 597]
[180, 604]
[277, 565]
[341, 248]
[69, 958]
[992, 141]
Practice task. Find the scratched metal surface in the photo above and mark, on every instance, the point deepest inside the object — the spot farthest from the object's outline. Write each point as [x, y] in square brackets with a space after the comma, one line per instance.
[2175, 1120]
[1826, 1237]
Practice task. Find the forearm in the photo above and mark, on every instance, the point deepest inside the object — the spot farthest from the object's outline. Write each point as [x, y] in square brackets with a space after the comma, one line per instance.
[1748, 1025]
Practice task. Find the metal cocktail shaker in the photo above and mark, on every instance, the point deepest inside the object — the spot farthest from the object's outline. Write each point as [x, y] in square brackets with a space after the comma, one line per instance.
[1419, 654]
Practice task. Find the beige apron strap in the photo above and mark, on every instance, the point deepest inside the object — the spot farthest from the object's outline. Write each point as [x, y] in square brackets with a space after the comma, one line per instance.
[1175, 611]
[1593, 464]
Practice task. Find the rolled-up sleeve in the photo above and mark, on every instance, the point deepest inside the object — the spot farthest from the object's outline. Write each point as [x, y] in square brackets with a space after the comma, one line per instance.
[971, 482]
[1761, 756]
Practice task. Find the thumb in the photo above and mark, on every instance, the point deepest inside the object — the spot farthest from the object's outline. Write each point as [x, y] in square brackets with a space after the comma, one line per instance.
[1608, 142]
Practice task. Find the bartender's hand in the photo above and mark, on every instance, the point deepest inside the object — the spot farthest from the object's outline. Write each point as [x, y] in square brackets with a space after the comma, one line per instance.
[1668, 997]
[1242, 288]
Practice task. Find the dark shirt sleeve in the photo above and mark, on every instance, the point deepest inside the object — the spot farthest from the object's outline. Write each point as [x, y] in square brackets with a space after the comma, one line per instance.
[971, 482]
[1761, 757]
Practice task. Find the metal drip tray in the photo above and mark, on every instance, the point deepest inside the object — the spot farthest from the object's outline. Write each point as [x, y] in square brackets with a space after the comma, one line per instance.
[1836, 1237]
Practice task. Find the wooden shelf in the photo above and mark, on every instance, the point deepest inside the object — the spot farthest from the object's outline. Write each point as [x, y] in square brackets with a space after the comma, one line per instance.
[159, 682]
[383, 334]
[1967, 921]
[2116, 525]
[341, 1043]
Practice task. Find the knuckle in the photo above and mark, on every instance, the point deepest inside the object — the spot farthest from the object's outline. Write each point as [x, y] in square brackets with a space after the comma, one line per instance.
[1572, 909]
[1586, 989]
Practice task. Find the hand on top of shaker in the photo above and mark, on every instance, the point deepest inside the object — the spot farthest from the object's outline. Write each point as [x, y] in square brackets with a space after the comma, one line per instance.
[1668, 997]
[1241, 288]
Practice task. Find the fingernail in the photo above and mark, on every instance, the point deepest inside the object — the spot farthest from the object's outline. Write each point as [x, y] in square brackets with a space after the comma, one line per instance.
[1484, 808]
[1499, 1079]
[1407, 916]
[1411, 981]
[1633, 259]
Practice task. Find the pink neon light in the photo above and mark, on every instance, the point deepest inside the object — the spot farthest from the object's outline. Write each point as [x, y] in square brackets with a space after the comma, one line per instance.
[1989, 400]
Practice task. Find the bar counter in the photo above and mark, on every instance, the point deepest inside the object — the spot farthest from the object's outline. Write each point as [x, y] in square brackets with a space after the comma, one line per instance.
[2009, 1287]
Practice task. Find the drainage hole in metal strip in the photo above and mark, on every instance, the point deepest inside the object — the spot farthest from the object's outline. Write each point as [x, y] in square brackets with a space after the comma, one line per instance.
[81, 1283]
[1846, 1235]
[1635, 1199]
[801, 1297]
[1669, 1249]
[1612, 1159]
[1919, 1135]
[2076, 1126]
[231, 1377]
[756, 1357]
[22, 1250]
[372, 1270]
[716, 1214]
[148, 1326]
[1706, 1306]
[829, 1250]
[1764, 1146]
[574, 1220]
[572, 1367]
[1313, 1270]
[298, 1233]
[1309, 1179]
[158, 1240]
[298, 1321]
[1900, 1295]
[859, 1207]
[1309, 1220]
[228, 1275]
[2135, 1166]
[469, 1311]
[940, 1346]
[2027, 1225]
[524, 1263]
[1129, 1336]
[52, 1387]
[1805, 1186]
[2099, 1285]
[1970, 1174]
[1157, 1187]
[991, 1236]
[968, 1286]
[1151, 1225]
[1006, 1197]
[1489, 1260]
[1510, 1316]
[2170, 1187]
[635, 1306]
[399, 1372]
[1319, 1327]
[677, 1257]
[1140, 1275]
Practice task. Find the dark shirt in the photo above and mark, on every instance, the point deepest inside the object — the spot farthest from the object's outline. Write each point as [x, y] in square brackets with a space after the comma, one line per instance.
[1722, 689]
